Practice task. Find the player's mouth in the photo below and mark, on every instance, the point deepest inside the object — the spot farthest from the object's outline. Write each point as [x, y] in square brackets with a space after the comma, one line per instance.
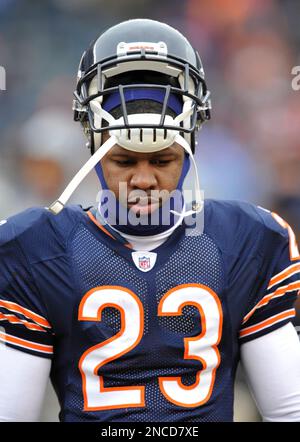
[143, 205]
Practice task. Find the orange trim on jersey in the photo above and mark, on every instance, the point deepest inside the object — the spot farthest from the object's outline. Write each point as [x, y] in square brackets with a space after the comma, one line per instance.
[161, 379]
[25, 312]
[284, 274]
[26, 344]
[267, 323]
[107, 341]
[95, 221]
[13, 319]
[92, 218]
[281, 291]
[293, 246]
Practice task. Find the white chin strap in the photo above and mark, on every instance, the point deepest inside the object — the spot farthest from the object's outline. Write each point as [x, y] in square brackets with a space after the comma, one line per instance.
[60, 203]
[198, 202]
[144, 140]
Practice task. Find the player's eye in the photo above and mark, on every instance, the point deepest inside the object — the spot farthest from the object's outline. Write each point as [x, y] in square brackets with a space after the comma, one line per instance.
[124, 163]
[160, 162]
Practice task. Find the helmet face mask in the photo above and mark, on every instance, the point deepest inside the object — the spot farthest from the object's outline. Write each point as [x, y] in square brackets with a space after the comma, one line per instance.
[114, 67]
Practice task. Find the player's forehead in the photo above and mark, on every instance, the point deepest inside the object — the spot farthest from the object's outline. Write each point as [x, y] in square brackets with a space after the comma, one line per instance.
[174, 150]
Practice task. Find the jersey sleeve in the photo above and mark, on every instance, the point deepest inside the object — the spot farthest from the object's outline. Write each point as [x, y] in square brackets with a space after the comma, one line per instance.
[24, 323]
[274, 304]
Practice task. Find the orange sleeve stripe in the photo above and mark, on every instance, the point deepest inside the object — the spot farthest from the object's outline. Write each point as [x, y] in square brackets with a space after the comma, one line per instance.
[25, 312]
[289, 271]
[267, 323]
[13, 319]
[281, 291]
[26, 344]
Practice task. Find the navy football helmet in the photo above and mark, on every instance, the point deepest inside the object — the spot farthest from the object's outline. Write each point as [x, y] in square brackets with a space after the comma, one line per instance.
[129, 58]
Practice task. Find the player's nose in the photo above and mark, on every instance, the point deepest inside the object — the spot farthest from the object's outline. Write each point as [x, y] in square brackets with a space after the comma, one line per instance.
[143, 177]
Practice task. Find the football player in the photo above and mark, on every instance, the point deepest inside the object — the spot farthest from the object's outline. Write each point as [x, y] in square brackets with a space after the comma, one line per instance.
[141, 308]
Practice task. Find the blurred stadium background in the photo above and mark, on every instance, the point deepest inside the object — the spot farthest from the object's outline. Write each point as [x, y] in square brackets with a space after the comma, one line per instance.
[250, 150]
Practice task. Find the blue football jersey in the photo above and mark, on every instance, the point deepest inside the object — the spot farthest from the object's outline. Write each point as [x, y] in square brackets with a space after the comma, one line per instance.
[151, 336]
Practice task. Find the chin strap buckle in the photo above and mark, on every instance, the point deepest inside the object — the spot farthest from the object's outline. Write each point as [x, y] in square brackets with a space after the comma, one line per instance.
[56, 207]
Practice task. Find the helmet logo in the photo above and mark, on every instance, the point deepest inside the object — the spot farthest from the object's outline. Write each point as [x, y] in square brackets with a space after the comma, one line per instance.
[159, 48]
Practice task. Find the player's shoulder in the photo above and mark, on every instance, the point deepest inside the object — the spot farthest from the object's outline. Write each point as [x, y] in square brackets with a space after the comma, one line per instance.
[245, 214]
[237, 221]
[37, 228]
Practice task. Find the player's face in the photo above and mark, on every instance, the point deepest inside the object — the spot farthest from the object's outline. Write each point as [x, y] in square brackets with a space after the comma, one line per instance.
[145, 174]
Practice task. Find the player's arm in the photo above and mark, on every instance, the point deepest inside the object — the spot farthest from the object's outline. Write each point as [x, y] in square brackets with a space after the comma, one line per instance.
[272, 366]
[23, 380]
[270, 348]
[26, 334]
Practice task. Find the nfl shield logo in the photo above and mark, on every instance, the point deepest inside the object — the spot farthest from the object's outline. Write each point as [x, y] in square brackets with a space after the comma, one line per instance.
[144, 262]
